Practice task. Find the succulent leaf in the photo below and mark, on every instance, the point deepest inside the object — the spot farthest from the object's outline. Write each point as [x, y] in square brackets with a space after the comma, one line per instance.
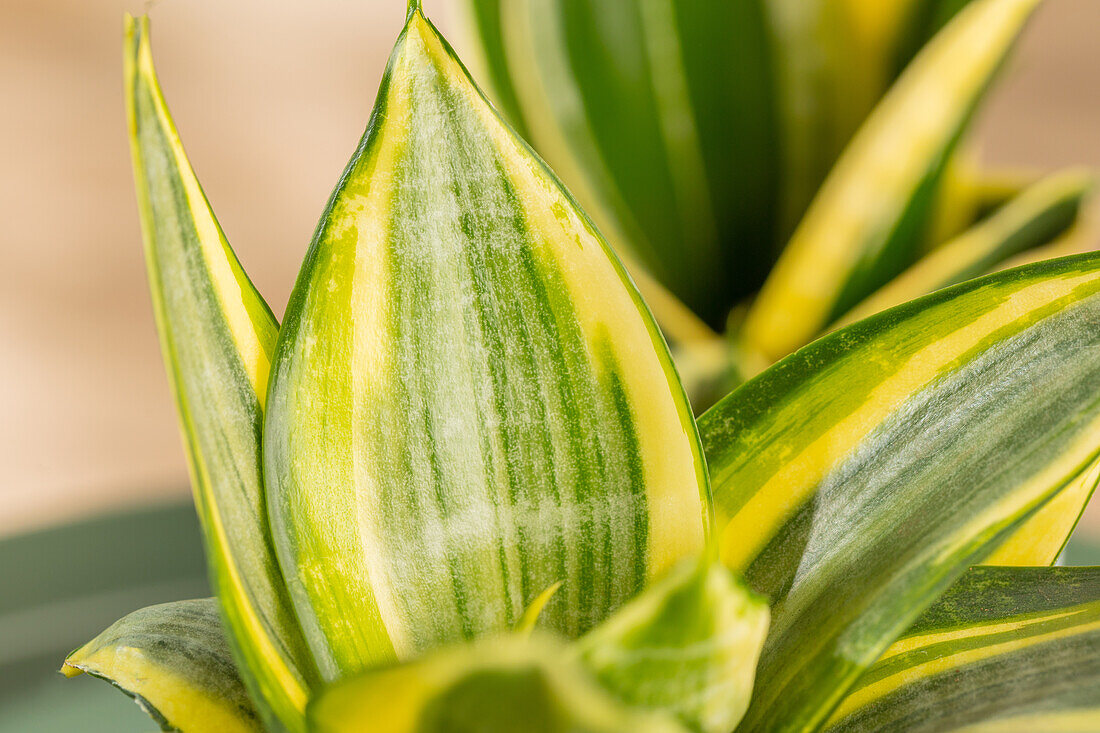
[856, 479]
[866, 223]
[1006, 649]
[173, 660]
[1040, 214]
[469, 399]
[687, 647]
[499, 685]
[218, 336]
[640, 106]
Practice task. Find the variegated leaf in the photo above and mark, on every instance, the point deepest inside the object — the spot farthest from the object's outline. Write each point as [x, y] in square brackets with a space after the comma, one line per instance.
[1036, 217]
[1006, 649]
[218, 336]
[505, 685]
[687, 647]
[470, 401]
[866, 223]
[660, 116]
[1041, 539]
[173, 660]
[856, 479]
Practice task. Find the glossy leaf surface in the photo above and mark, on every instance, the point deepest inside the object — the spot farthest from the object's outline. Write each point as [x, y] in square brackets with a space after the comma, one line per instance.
[854, 480]
[505, 685]
[1006, 649]
[687, 647]
[173, 660]
[470, 401]
[866, 223]
[218, 336]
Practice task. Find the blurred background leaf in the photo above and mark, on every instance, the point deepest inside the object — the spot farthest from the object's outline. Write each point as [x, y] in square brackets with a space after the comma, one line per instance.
[76, 327]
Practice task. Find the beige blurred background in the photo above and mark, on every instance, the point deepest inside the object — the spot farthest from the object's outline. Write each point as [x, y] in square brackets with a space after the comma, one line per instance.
[270, 99]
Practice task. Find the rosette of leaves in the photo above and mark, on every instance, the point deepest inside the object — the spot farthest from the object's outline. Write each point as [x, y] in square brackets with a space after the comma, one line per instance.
[771, 168]
[460, 487]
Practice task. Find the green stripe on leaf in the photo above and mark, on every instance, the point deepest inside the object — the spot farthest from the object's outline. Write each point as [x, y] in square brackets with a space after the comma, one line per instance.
[854, 480]
[467, 374]
[218, 336]
[1005, 649]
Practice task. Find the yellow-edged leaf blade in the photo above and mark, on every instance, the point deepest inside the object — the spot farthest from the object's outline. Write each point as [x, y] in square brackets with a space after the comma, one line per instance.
[217, 336]
[686, 647]
[470, 400]
[1039, 215]
[498, 685]
[1006, 649]
[854, 480]
[173, 660]
[865, 224]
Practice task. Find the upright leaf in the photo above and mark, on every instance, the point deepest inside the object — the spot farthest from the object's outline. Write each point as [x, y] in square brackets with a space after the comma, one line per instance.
[218, 336]
[1036, 217]
[469, 400]
[867, 221]
[173, 660]
[504, 685]
[687, 647]
[924, 19]
[830, 71]
[1006, 649]
[856, 479]
[659, 114]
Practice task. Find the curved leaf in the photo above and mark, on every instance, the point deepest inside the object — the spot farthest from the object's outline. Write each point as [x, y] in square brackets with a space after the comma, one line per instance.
[1037, 216]
[218, 336]
[866, 223]
[659, 114]
[469, 401]
[173, 660]
[506, 685]
[924, 19]
[854, 480]
[1006, 649]
[687, 647]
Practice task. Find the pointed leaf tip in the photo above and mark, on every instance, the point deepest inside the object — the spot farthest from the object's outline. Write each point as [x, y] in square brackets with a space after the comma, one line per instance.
[467, 374]
[212, 321]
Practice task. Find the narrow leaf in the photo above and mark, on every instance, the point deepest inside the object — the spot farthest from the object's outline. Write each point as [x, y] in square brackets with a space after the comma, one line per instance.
[173, 660]
[1081, 238]
[1034, 218]
[831, 62]
[856, 479]
[218, 336]
[687, 647]
[924, 19]
[470, 401]
[866, 223]
[507, 685]
[1006, 649]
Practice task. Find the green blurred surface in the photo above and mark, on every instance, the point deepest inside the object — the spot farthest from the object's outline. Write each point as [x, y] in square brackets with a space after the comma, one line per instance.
[62, 586]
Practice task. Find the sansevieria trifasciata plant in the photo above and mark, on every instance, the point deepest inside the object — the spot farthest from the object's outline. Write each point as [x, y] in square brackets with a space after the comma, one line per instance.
[766, 166]
[461, 488]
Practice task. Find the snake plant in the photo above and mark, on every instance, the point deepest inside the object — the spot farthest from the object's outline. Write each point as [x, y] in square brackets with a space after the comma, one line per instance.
[768, 167]
[461, 488]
